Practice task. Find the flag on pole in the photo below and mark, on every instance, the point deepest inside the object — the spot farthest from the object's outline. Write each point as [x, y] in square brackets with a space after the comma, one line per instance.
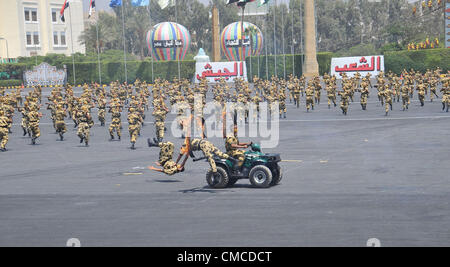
[231, 2]
[140, 2]
[165, 3]
[263, 2]
[115, 3]
[91, 8]
[64, 7]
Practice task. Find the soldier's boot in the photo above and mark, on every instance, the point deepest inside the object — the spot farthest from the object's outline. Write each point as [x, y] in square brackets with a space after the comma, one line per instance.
[280, 115]
[33, 140]
[86, 143]
[284, 115]
[75, 126]
[120, 137]
[2, 149]
[81, 139]
[9, 130]
[386, 113]
[151, 144]
[61, 136]
[112, 137]
[329, 106]
[234, 162]
[132, 146]
[24, 131]
[29, 133]
[443, 106]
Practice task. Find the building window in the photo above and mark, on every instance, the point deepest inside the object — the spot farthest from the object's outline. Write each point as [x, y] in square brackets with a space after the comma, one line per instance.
[36, 38]
[31, 15]
[34, 15]
[29, 40]
[27, 15]
[54, 16]
[55, 38]
[63, 38]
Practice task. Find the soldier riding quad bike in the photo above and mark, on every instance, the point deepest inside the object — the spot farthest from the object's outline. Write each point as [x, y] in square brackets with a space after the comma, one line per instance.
[262, 169]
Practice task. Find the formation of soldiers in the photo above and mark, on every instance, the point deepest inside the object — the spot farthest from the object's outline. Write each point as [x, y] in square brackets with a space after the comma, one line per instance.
[182, 95]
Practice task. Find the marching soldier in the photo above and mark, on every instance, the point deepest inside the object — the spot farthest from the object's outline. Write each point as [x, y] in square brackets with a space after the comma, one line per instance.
[33, 121]
[60, 125]
[310, 96]
[3, 130]
[134, 124]
[344, 101]
[364, 94]
[84, 127]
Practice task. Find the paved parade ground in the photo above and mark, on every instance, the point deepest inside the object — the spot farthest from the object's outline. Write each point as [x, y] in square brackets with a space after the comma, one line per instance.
[346, 179]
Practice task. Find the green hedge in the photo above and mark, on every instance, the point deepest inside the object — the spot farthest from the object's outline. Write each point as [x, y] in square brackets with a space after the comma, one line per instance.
[419, 60]
[87, 72]
[12, 71]
[10, 83]
[323, 58]
[111, 71]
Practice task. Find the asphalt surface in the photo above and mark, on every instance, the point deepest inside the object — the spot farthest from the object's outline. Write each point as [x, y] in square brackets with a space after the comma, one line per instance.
[346, 179]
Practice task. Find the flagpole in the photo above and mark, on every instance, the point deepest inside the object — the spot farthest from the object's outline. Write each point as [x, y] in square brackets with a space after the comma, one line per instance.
[176, 49]
[301, 36]
[265, 43]
[98, 51]
[275, 39]
[150, 48]
[71, 40]
[292, 47]
[282, 38]
[124, 48]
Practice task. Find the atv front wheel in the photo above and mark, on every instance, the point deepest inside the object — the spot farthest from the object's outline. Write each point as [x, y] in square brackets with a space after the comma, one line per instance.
[277, 176]
[260, 176]
[219, 180]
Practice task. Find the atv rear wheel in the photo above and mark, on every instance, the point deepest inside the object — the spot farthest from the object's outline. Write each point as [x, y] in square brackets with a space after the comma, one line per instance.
[260, 176]
[219, 180]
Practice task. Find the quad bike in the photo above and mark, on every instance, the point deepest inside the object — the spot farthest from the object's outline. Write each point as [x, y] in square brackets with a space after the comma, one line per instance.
[260, 168]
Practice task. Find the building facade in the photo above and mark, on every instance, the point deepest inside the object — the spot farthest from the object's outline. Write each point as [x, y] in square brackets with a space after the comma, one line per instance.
[34, 27]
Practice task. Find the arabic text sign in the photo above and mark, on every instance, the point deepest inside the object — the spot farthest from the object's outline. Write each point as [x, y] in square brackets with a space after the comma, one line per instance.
[213, 71]
[167, 43]
[45, 75]
[352, 65]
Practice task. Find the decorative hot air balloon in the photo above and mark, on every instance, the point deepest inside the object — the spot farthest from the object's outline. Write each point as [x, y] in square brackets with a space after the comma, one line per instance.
[168, 41]
[232, 44]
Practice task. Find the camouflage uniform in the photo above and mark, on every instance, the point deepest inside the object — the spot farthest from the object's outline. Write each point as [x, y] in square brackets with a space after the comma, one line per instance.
[60, 125]
[233, 152]
[116, 124]
[208, 150]
[3, 130]
[83, 127]
[33, 120]
[134, 126]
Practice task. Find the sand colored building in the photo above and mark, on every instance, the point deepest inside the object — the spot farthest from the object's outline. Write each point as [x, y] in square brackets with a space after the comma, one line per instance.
[30, 27]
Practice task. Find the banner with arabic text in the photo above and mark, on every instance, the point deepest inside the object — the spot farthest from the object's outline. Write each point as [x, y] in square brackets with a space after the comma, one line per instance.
[214, 71]
[352, 65]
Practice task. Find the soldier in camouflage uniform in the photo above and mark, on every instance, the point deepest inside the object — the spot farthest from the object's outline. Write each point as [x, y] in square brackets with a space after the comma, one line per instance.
[83, 127]
[33, 121]
[60, 125]
[3, 130]
[134, 125]
[310, 96]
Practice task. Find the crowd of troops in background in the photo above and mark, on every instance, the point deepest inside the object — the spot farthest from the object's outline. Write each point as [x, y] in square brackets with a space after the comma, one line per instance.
[135, 98]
